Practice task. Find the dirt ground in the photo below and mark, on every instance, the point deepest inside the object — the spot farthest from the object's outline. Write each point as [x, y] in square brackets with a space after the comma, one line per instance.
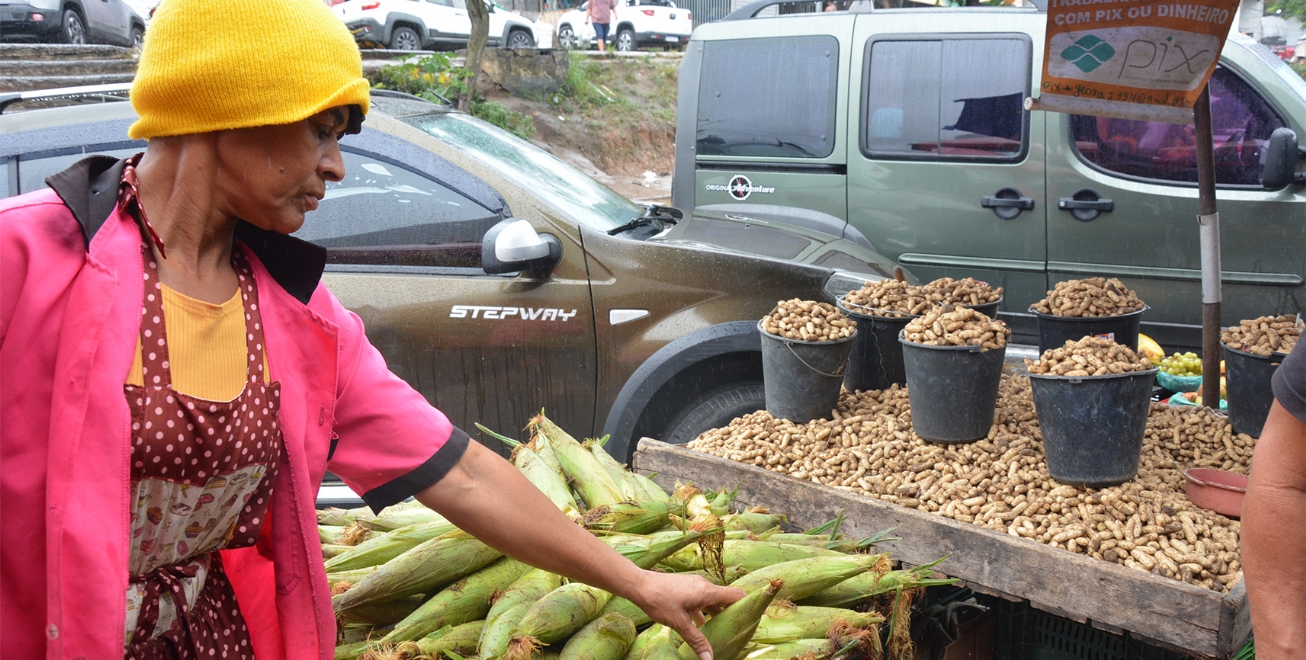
[614, 120]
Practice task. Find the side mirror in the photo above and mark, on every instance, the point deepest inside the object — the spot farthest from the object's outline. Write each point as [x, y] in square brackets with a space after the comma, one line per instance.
[1280, 161]
[512, 246]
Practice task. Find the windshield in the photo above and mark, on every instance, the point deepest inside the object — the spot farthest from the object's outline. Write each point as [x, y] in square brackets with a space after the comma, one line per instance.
[569, 190]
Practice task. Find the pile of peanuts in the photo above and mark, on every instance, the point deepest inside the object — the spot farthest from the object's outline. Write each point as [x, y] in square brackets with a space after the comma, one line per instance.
[966, 291]
[888, 298]
[1095, 296]
[1090, 356]
[961, 326]
[808, 320]
[1002, 482]
[1263, 336]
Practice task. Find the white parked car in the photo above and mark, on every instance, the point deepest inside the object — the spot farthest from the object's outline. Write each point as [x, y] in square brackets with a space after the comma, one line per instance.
[429, 24]
[635, 23]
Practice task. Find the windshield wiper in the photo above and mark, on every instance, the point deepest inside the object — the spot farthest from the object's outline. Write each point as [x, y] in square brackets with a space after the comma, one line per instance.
[652, 213]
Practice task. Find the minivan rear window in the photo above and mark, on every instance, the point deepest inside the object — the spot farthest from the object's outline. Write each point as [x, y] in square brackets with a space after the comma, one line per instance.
[768, 97]
[946, 99]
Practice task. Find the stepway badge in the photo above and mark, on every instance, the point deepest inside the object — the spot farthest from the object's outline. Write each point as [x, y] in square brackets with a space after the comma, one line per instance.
[739, 188]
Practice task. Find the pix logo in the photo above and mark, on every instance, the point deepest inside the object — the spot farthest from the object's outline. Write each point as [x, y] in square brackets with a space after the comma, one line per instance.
[1088, 53]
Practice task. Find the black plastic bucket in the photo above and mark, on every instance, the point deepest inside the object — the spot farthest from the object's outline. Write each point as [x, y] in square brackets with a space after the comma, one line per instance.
[953, 390]
[1055, 331]
[802, 378]
[988, 309]
[1247, 384]
[876, 359]
[1093, 426]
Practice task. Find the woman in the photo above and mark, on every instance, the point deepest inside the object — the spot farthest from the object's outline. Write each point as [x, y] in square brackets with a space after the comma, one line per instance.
[174, 380]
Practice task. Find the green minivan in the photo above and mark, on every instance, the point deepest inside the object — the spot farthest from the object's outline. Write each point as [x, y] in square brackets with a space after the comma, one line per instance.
[904, 128]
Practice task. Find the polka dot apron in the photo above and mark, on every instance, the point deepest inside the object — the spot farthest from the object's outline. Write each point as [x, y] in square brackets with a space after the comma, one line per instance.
[202, 475]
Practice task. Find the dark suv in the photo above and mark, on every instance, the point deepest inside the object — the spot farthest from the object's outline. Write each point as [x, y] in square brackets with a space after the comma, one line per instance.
[498, 280]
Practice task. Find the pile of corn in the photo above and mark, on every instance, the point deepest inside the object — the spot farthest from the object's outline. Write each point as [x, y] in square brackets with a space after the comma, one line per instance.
[965, 291]
[808, 320]
[1090, 356]
[407, 584]
[961, 326]
[1095, 296]
[1265, 335]
[1002, 482]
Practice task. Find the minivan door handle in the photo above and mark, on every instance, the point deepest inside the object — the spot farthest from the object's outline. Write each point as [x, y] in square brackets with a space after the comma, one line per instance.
[1086, 205]
[1007, 203]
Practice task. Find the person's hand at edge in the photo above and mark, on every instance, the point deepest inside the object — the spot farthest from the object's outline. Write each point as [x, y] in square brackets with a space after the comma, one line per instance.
[679, 602]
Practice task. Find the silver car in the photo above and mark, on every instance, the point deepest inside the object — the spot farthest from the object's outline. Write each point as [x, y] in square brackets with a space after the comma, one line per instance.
[71, 22]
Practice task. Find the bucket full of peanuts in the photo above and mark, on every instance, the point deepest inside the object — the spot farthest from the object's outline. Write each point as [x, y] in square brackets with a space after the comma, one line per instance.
[954, 360]
[1093, 307]
[1253, 350]
[805, 347]
[1092, 397]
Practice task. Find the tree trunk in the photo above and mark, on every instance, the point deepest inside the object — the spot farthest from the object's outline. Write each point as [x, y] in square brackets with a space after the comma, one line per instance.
[479, 12]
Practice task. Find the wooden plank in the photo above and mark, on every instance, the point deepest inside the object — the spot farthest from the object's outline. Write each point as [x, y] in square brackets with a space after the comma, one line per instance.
[1176, 614]
[1235, 620]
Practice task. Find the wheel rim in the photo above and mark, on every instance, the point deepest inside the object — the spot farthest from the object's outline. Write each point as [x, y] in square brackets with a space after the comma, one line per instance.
[567, 38]
[138, 40]
[519, 40]
[406, 41]
[76, 34]
[625, 41]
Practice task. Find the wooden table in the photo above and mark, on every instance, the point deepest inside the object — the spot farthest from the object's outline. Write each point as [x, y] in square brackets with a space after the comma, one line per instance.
[1157, 610]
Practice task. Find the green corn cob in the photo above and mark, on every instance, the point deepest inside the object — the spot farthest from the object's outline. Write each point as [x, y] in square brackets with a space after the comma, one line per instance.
[589, 478]
[556, 617]
[330, 534]
[384, 547]
[428, 566]
[657, 643]
[861, 588]
[538, 471]
[629, 517]
[330, 550]
[729, 631]
[460, 639]
[753, 522]
[797, 648]
[804, 578]
[465, 600]
[607, 637]
[627, 609]
[783, 623]
[752, 555]
[615, 470]
[510, 606]
[384, 614]
[647, 551]
[352, 577]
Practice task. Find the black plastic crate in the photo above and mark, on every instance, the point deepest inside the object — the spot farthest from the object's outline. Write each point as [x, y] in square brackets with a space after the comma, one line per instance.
[1025, 633]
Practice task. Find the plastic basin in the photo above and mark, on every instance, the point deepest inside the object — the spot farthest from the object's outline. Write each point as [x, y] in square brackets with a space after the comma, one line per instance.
[1218, 490]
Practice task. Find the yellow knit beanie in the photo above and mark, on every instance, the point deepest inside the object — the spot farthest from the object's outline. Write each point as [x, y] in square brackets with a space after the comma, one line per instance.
[210, 65]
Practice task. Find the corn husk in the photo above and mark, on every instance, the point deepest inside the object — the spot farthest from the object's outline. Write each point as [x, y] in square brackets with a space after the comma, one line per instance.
[330, 550]
[607, 637]
[460, 639]
[630, 517]
[647, 489]
[786, 623]
[753, 522]
[647, 551]
[465, 600]
[862, 588]
[509, 608]
[657, 643]
[615, 470]
[541, 473]
[752, 555]
[556, 617]
[722, 578]
[804, 578]
[351, 577]
[343, 517]
[350, 650]
[586, 474]
[729, 631]
[330, 534]
[798, 648]
[619, 605]
[388, 545]
[384, 614]
[430, 565]
[392, 519]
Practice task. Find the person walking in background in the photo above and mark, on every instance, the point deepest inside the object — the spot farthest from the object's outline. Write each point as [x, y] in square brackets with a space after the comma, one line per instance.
[1274, 519]
[600, 13]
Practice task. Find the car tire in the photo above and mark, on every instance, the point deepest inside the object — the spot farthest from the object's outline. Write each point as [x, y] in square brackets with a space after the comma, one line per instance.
[567, 38]
[520, 39]
[405, 38]
[715, 409]
[625, 40]
[74, 28]
[137, 38]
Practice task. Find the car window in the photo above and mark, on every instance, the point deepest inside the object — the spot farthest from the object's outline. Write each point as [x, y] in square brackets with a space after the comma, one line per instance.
[768, 97]
[566, 188]
[1241, 123]
[385, 214]
[946, 99]
[32, 171]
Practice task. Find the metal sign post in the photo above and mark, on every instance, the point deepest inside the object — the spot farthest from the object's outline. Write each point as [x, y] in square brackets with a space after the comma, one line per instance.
[1209, 220]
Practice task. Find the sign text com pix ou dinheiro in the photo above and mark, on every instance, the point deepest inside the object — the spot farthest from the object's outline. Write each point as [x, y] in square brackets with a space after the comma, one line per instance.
[1139, 10]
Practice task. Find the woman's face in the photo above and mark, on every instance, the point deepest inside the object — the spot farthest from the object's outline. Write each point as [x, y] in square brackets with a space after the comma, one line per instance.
[270, 176]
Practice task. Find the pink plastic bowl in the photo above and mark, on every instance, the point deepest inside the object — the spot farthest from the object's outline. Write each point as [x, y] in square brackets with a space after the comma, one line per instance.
[1218, 490]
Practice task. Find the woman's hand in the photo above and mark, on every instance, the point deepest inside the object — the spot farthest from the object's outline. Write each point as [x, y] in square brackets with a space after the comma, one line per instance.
[679, 601]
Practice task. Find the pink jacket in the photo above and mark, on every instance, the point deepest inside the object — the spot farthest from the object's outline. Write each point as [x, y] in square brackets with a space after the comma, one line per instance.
[69, 319]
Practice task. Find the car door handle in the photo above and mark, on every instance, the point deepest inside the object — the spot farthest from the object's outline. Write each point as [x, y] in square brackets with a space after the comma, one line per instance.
[1086, 205]
[1007, 203]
